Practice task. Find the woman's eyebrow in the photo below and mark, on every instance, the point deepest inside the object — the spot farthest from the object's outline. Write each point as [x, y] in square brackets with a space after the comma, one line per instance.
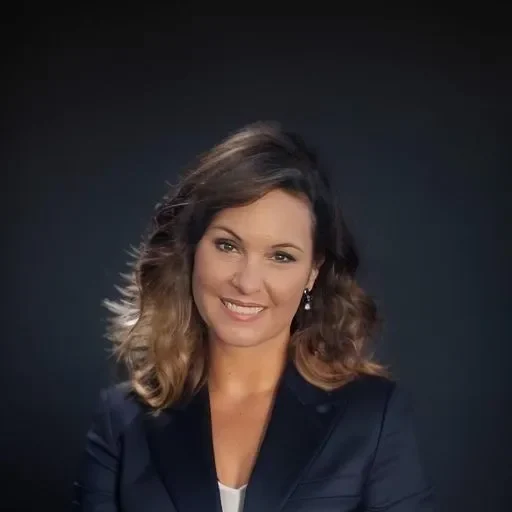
[239, 238]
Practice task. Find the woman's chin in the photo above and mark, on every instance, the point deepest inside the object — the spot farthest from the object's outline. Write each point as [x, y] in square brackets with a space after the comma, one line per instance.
[234, 340]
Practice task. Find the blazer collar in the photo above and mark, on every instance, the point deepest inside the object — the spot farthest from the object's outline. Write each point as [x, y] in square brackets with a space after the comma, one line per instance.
[180, 443]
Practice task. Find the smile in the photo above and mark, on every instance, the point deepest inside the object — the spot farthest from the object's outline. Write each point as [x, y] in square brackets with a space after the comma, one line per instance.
[247, 311]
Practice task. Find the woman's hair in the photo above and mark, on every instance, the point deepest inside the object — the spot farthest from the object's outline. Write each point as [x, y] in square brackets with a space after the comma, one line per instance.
[156, 329]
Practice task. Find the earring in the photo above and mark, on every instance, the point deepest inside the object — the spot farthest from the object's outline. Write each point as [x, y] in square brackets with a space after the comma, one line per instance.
[307, 299]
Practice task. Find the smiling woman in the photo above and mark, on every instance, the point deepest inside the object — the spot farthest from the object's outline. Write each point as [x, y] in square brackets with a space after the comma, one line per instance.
[247, 342]
[256, 275]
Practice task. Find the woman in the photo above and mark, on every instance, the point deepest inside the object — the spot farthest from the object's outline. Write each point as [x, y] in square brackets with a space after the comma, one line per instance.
[245, 337]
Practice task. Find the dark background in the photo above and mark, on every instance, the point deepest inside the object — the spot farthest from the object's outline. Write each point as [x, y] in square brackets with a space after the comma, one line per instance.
[411, 115]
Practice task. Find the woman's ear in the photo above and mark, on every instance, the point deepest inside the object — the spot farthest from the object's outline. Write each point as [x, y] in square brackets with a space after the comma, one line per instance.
[314, 274]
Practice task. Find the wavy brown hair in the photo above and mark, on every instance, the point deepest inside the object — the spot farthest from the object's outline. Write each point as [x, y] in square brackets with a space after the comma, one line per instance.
[156, 329]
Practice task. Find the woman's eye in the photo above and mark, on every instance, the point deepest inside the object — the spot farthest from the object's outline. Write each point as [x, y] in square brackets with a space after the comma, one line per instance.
[225, 246]
[281, 257]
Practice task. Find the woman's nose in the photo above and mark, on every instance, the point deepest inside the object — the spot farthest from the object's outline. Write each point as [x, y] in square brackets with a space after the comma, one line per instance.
[248, 277]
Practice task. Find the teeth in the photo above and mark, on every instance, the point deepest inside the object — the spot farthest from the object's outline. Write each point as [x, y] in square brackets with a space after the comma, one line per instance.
[242, 310]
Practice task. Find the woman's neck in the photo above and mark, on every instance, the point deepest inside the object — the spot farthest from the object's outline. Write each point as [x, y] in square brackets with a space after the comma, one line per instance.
[243, 371]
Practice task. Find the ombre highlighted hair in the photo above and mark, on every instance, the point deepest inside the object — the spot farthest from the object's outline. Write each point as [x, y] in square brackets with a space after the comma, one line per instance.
[157, 332]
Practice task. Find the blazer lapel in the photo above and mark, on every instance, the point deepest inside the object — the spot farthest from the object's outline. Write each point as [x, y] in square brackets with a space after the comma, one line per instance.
[301, 419]
[180, 443]
[181, 446]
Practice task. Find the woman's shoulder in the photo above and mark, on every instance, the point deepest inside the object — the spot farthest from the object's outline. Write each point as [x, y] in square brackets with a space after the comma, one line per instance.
[366, 387]
[376, 396]
[120, 402]
[119, 394]
[374, 386]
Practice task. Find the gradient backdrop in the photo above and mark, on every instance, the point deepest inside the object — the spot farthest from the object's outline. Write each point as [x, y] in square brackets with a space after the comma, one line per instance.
[413, 119]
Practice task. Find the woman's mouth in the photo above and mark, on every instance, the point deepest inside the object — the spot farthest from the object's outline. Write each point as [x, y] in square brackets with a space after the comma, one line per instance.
[242, 312]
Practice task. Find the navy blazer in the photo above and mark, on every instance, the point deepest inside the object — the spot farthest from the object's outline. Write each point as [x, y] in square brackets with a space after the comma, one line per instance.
[352, 449]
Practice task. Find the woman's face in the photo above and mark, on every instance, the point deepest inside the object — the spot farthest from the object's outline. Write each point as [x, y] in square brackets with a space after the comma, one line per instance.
[251, 267]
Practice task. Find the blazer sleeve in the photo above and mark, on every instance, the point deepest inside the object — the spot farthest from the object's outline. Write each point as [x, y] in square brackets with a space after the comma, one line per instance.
[96, 483]
[396, 482]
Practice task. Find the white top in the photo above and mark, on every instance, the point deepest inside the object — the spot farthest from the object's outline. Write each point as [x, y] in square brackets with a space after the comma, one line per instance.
[232, 500]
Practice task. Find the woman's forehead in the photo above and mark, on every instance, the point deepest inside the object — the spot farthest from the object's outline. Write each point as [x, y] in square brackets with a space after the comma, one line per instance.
[277, 214]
